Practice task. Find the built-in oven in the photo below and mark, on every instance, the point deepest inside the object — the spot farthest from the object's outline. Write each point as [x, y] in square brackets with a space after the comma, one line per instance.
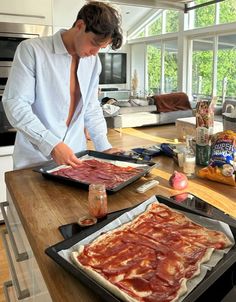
[11, 34]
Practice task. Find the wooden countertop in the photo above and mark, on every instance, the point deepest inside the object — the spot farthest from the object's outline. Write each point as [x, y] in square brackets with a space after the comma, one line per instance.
[43, 205]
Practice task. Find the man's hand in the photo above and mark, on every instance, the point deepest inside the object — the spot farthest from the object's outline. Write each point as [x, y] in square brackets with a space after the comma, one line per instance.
[114, 151]
[63, 155]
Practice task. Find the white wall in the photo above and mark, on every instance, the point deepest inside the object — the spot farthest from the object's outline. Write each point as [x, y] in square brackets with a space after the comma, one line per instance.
[65, 13]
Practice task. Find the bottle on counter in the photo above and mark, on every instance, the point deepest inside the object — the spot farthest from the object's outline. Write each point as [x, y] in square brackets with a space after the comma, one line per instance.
[204, 130]
[189, 159]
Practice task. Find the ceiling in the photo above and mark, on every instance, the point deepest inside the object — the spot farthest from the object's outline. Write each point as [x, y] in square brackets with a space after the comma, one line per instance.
[135, 11]
[174, 4]
[132, 15]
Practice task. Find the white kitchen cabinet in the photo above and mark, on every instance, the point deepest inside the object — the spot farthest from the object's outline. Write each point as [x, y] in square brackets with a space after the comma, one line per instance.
[27, 283]
[26, 11]
[6, 164]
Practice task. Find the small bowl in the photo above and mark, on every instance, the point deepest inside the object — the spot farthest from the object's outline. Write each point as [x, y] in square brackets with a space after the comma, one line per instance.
[87, 220]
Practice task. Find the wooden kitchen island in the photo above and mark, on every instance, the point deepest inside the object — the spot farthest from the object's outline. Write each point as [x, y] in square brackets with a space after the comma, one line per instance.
[43, 205]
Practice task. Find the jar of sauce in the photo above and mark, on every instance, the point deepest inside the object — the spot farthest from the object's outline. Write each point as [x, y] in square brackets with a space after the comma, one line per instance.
[97, 200]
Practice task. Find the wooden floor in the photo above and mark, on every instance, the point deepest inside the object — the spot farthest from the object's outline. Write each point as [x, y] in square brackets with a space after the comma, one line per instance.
[125, 139]
[128, 138]
[4, 272]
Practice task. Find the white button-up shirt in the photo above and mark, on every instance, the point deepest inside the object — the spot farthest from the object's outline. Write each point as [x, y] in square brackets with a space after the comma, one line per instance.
[37, 99]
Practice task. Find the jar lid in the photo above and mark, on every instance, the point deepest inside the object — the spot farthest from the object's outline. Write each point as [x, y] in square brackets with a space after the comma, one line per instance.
[87, 220]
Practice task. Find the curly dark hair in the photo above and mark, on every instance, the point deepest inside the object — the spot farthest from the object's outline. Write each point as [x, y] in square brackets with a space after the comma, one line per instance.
[102, 19]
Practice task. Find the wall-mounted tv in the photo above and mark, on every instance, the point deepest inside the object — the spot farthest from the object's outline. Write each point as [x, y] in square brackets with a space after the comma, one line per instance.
[113, 68]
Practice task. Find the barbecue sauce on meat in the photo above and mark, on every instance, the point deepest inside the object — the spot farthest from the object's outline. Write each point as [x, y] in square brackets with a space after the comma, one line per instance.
[149, 258]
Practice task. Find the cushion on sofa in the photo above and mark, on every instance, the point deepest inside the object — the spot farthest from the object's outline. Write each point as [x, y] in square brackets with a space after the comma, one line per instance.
[133, 109]
[172, 102]
[171, 117]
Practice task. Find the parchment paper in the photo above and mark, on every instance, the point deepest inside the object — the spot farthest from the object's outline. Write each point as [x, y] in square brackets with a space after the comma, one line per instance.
[114, 162]
[128, 216]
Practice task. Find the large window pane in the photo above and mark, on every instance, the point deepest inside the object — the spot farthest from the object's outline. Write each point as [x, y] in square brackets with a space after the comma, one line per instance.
[202, 67]
[228, 11]
[154, 68]
[171, 66]
[172, 21]
[204, 16]
[226, 71]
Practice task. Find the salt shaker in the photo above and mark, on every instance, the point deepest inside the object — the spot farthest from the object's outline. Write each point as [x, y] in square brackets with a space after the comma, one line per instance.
[97, 200]
[189, 161]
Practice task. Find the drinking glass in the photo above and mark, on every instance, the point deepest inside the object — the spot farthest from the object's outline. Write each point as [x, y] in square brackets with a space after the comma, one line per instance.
[97, 200]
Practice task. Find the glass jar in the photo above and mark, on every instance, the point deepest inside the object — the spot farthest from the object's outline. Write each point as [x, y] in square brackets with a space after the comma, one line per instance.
[97, 200]
[189, 160]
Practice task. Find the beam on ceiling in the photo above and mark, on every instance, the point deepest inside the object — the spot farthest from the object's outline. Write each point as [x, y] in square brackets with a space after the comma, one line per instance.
[152, 4]
[188, 8]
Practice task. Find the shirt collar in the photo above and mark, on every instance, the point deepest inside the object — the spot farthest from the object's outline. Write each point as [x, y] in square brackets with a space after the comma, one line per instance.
[58, 44]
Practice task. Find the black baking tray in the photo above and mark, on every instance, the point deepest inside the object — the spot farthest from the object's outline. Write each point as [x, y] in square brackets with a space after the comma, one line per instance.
[147, 166]
[71, 229]
[195, 295]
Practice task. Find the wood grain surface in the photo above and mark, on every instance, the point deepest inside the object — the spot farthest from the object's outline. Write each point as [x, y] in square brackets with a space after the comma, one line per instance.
[43, 205]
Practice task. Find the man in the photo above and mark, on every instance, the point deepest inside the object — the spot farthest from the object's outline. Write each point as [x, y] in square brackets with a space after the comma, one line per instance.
[51, 93]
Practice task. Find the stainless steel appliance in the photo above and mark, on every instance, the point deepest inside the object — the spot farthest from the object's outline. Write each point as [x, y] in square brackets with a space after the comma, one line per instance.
[11, 34]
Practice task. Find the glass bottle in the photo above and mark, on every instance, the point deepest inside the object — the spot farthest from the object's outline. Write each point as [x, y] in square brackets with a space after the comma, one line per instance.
[189, 161]
[97, 200]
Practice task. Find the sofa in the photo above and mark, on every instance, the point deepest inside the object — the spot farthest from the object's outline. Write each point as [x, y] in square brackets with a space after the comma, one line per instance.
[155, 110]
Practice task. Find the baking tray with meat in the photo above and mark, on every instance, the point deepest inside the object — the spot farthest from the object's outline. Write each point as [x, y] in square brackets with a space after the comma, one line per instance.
[115, 171]
[211, 277]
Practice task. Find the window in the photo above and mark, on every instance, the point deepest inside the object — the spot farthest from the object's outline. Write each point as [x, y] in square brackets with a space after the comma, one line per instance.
[162, 67]
[172, 21]
[226, 67]
[204, 16]
[171, 66]
[228, 11]
[154, 68]
[206, 60]
[202, 59]
[141, 34]
[155, 27]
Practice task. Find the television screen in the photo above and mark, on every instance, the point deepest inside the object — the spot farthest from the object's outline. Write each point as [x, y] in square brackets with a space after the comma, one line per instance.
[113, 68]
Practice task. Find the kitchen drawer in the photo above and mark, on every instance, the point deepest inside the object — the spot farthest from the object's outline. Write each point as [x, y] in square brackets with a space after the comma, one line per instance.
[26, 276]
[19, 242]
[10, 296]
[6, 164]
[21, 272]
[18, 232]
[32, 12]
[40, 286]
[30, 282]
